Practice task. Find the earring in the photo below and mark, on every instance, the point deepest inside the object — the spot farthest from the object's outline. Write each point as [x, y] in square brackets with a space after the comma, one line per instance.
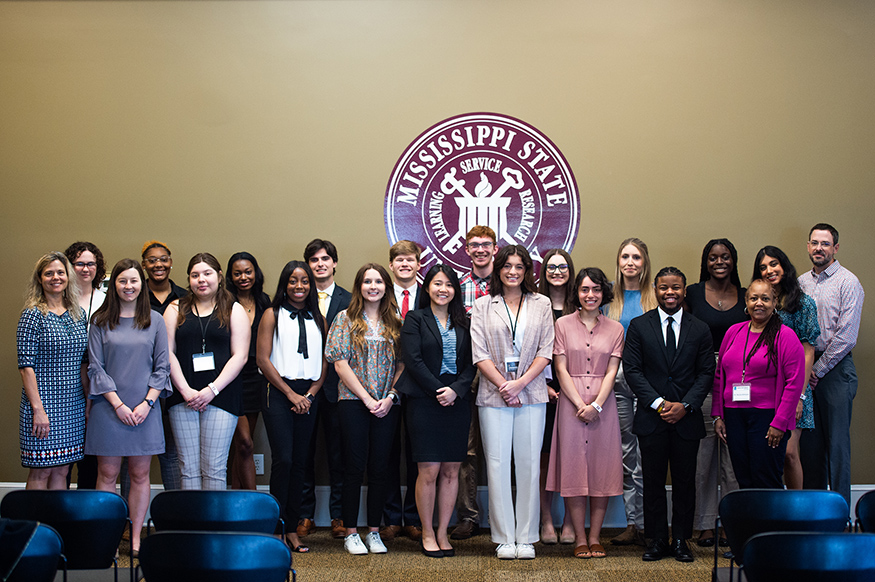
[745, 309]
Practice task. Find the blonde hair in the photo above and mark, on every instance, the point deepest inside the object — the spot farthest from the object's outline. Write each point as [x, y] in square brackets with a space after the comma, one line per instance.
[645, 282]
[35, 296]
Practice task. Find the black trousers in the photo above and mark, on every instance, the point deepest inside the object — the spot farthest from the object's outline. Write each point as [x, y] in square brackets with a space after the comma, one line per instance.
[659, 451]
[398, 512]
[367, 443]
[329, 420]
[755, 463]
[289, 435]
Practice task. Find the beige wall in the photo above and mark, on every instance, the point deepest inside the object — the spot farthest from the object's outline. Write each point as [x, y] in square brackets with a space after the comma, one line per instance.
[260, 125]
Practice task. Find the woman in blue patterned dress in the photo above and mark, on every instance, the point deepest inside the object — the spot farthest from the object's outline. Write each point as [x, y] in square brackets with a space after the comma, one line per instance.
[798, 311]
[363, 344]
[52, 339]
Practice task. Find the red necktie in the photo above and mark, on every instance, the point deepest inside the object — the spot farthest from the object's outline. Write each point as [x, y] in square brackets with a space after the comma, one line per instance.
[405, 303]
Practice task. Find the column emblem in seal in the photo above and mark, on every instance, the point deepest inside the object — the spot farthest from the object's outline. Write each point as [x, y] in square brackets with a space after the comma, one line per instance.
[487, 169]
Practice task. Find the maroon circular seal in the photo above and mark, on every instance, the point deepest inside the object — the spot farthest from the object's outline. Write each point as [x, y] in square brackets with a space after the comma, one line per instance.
[481, 169]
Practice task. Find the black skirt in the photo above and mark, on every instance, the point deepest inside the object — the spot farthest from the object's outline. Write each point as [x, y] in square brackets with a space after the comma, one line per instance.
[438, 434]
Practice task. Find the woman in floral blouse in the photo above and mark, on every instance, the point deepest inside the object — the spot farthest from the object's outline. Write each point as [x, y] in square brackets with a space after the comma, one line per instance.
[363, 344]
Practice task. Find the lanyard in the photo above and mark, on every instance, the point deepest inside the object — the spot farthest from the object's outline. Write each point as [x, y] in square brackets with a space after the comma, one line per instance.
[744, 355]
[203, 327]
[514, 321]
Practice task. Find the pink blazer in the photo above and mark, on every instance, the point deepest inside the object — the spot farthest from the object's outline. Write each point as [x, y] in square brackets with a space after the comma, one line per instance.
[491, 339]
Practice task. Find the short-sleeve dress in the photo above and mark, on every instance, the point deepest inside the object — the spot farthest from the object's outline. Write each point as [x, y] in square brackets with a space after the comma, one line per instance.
[804, 323]
[128, 361]
[586, 458]
[54, 346]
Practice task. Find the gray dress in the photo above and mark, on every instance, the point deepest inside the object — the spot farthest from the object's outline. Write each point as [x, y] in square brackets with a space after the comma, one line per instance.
[128, 361]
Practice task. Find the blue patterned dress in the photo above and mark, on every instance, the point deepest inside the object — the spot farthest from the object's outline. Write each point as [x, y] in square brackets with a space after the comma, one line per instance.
[54, 346]
[804, 323]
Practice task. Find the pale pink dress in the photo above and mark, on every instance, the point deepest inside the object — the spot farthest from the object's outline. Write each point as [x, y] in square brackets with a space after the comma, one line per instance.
[586, 459]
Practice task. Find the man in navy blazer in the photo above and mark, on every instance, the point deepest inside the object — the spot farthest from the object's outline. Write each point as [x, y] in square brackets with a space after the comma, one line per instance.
[321, 255]
[669, 364]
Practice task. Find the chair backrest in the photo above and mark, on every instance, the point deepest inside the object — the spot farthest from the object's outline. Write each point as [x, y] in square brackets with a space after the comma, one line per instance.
[240, 511]
[810, 557]
[747, 512]
[183, 556]
[39, 562]
[866, 512]
[90, 522]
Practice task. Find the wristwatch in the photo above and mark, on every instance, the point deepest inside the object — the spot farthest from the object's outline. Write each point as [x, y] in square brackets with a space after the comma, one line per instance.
[150, 402]
[310, 397]
[393, 396]
[688, 407]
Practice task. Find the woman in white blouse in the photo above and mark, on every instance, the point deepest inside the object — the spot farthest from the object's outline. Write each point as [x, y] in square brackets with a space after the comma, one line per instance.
[291, 339]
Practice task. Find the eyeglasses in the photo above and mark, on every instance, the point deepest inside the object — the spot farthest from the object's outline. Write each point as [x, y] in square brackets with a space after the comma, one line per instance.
[485, 246]
[816, 244]
[81, 265]
[553, 268]
[153, 260]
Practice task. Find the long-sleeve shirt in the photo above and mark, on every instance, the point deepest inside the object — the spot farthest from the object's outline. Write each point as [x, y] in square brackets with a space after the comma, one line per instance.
[839, 297]
[770, 387]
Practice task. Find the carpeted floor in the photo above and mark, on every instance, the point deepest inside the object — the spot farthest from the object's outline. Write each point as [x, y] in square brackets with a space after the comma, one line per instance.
[475, 561]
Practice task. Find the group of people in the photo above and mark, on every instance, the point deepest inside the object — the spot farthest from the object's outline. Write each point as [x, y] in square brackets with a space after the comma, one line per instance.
[588, 388]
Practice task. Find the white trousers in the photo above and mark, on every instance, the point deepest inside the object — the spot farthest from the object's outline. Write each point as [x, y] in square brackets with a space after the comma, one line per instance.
[203, 440]
[513, 433]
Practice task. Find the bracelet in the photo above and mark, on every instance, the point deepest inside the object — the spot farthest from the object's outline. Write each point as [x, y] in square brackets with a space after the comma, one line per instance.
[596, 406]
[119, 406]
[716, 418]
[212, 387]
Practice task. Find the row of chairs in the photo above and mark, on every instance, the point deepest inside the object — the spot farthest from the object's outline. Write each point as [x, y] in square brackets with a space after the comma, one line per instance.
[776, 535]
[215, 535]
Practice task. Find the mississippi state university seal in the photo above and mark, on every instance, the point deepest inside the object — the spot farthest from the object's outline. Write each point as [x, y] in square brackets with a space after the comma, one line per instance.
[481, 169]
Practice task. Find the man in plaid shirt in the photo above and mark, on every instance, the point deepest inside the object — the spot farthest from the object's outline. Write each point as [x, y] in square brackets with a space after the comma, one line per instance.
[481, 247]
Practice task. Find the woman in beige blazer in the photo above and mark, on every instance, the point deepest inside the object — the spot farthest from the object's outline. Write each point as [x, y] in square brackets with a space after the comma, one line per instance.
[512, 343]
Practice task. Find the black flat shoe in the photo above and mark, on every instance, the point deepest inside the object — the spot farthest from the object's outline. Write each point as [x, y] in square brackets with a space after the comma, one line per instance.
[706, 542]
[302, 549]
[449, 553]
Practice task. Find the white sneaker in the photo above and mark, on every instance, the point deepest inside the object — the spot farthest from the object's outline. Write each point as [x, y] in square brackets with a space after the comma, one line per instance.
[374, 543]
[353, 544]
[525, 552]
[505, 552]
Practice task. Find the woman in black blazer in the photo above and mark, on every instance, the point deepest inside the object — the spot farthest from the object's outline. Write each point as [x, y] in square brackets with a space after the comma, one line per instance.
[438, 371]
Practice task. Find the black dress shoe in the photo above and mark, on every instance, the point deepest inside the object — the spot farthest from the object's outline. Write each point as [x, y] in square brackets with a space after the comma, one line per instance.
[681, 551]
[656, 550]
[465, 530]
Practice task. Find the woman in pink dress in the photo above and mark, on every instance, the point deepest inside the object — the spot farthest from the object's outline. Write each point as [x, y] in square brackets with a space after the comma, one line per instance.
[585, 459]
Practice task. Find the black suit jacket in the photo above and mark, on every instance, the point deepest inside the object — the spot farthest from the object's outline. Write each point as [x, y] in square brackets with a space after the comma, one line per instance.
[339, 301]
[422, 353]
[650, 375]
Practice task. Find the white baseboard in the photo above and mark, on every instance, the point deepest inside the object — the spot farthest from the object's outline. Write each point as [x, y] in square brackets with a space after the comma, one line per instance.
[615, 517]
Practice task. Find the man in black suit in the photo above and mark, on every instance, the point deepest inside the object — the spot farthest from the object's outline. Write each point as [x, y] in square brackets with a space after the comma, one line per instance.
[669, 364]
[400, 516]
[321, 255]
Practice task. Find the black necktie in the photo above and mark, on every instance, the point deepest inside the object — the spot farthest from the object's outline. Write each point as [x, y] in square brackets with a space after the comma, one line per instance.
[670, 341]
[302, 329]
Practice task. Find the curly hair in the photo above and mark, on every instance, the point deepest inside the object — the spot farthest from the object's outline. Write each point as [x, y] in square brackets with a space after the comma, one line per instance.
[77, 248]
[598, 277]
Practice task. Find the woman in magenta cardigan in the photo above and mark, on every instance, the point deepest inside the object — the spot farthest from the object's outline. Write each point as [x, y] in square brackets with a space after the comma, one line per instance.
[760, 377]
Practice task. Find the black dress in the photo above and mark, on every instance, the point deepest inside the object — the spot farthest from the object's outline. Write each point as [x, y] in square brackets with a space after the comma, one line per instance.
[718, 321]
[254, 384]
[189, 337]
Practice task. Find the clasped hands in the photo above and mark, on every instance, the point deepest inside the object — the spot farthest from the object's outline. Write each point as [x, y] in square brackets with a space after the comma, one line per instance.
[510, 391]
[380, 408]
[132, 417]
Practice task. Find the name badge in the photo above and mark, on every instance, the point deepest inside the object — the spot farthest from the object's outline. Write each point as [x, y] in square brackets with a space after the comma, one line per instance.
[203, 362]
[741, 392]
[512, 365]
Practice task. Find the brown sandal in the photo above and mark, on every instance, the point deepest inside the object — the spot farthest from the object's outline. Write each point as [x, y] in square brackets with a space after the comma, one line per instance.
[582, 552]
[596, 549]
